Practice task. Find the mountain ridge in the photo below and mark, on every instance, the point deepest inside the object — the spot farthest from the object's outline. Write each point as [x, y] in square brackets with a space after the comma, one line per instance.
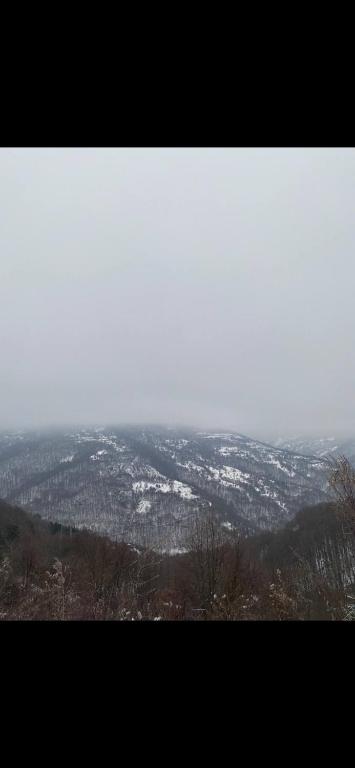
[145, 484]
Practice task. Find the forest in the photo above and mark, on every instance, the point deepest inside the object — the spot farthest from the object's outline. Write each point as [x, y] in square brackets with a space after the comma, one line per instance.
[304, 571]
[145, 485]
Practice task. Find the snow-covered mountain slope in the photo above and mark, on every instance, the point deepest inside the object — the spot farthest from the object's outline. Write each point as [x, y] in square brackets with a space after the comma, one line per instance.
[318, 446]
[146, 484]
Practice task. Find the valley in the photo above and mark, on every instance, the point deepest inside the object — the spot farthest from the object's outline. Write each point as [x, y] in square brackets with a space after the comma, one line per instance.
[145, 485]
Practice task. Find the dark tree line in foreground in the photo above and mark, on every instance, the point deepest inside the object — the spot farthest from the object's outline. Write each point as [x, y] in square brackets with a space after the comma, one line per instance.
[306, 571]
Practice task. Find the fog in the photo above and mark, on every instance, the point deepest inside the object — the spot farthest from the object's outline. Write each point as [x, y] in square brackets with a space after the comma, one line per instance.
[207, 287]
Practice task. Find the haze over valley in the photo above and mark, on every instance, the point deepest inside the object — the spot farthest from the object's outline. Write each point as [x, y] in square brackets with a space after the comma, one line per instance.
[177, 407]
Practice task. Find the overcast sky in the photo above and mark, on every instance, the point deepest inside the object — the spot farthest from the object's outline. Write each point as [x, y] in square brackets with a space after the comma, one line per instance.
[207, 287]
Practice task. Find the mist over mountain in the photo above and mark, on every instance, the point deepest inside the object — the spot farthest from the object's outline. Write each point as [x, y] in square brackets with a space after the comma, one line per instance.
[177, 383]
[211, 287]
[324, 447]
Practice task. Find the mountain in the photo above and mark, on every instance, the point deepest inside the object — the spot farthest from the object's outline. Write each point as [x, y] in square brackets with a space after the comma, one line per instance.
[145, 484]
[323, 447]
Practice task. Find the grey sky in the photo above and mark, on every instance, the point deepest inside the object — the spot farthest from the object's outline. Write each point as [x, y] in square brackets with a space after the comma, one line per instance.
[206, 287]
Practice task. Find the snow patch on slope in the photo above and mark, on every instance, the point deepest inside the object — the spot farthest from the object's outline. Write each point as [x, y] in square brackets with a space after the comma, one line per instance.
[170, 486]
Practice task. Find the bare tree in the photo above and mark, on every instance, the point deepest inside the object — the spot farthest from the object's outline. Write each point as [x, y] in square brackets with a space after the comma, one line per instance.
[206, 550]
[342, 483]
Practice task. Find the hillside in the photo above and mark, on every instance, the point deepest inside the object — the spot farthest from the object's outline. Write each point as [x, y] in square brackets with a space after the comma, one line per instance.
[323, 447]
[144, 485]
[305, 571]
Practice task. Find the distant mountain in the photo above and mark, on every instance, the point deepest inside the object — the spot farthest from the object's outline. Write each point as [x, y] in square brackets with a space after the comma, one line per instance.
[144, 485]
[318, 446]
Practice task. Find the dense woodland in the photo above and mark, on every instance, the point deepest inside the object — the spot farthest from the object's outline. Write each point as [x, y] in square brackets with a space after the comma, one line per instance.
[303, 572]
